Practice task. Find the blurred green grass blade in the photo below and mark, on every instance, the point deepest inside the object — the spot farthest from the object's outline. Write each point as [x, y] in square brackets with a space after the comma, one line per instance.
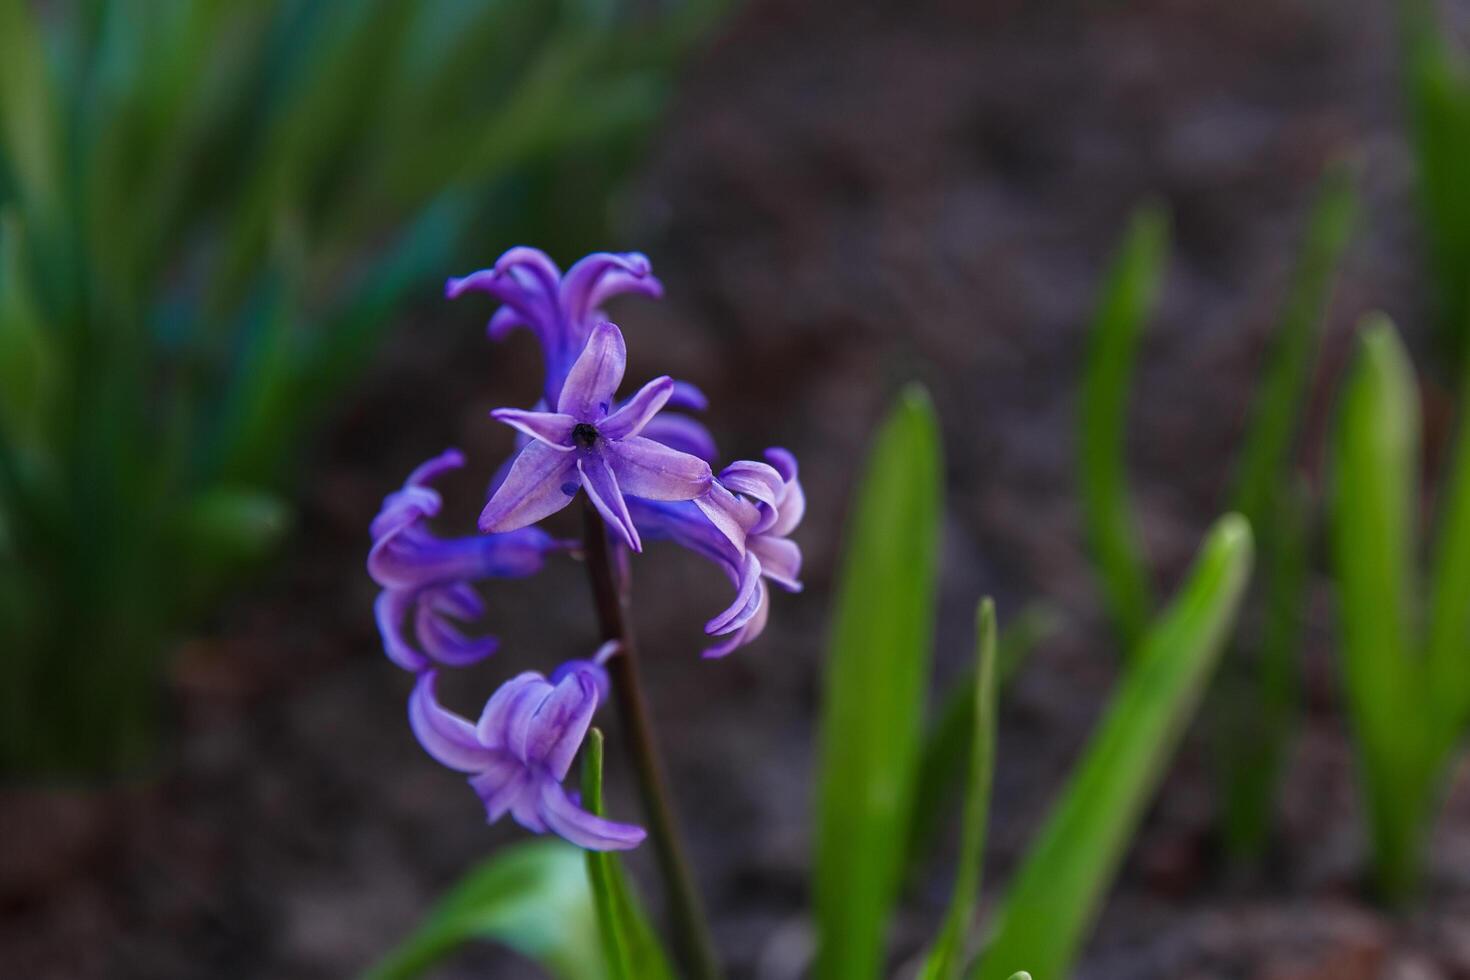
[1447, 628]
[630, 949]
[1275, 416]
[947, 742]
[877, 665]
[532, 897]
[1375, 483]
[947, 957]
[29, 134]
[1254, 700]
[1128, 295]
[1438, 90]
[1258, 706]
[1055, 896]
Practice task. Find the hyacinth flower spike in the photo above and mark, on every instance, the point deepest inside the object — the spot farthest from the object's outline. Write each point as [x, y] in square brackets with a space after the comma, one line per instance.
[589, 444]
[427, 578]
[522, 748]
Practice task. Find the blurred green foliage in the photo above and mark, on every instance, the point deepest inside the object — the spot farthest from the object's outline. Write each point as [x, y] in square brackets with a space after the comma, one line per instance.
[209, 210]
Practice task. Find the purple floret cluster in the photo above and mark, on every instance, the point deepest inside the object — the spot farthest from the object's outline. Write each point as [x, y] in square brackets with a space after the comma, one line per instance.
[647, 468]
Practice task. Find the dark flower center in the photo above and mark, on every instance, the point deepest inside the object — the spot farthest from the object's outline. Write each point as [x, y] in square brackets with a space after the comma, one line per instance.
[584, 435]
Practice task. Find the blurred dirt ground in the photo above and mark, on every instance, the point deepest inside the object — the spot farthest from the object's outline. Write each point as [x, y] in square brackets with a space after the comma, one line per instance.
[844, 196]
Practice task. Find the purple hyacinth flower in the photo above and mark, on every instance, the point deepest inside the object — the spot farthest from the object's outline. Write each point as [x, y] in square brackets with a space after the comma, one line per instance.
[522, 748]
[742, 524]
[427, 578]
[560, 310]
[588, 443]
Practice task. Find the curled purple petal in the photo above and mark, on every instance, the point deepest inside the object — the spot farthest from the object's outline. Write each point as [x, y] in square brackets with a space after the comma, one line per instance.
[390, 609]
[446, 736]
[505, 705]
[780, 560]
[592, 280]
[560, 724]
[582, 828]
[444, 642]
[747, 596]
[746, 634]
[541, 482]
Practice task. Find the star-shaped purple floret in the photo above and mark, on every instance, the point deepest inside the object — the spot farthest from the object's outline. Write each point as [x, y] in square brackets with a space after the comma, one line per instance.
[590, 442]
[522, 748]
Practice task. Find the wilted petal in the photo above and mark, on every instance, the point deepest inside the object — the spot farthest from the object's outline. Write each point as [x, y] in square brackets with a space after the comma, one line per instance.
[602, 490]
[552, 428]
[638, 410]
[390, 609]
[582, 828]
[446, 736]
[541, 482]
[560, 723]
[593, 380]
[682, 433]
[645, 468]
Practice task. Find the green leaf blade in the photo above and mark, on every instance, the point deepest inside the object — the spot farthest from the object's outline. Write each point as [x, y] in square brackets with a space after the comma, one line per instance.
[1128, 294]
[1375, 489]
[630, 949]
[946, 957]
[877, 668]
[1056, 894]
[531, 897]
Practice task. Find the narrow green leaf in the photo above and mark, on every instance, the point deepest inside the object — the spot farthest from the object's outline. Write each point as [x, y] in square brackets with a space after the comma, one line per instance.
[1255, 698]
[1055, 896]
[877, 665]
[630, 950]
[947, 957]
[1447, 630]
[29, 135]
[1437, 83]
[1256, 708]
[1375, 494]
[1127, 297]
[1275, 416]
[947, 742]
[532, 897]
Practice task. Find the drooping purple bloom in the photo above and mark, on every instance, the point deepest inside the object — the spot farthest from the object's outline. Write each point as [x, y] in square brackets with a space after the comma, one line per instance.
[590, 442]
[427, 578]
[522, 748]
[742, 524]
[560, 310]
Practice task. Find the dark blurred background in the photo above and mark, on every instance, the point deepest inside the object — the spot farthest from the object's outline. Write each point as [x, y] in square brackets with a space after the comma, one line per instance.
[838, 198]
